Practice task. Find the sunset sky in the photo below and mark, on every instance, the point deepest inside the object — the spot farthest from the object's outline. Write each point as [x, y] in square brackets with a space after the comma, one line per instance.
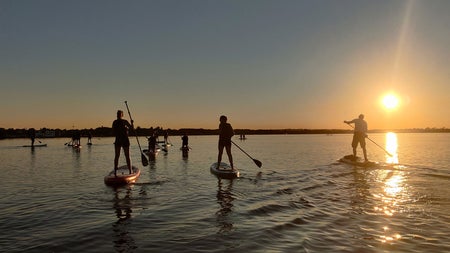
[264, 64]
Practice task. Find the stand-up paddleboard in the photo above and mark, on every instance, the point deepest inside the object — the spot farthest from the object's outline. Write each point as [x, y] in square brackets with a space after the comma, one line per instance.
[224, 171]
[150, 153]
[357, 161]
[123, 176]
[35, 145]
[185, 149]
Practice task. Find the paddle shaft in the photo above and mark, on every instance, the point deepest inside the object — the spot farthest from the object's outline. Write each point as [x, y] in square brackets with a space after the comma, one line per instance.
[144, 159]
[374, 142]
[258, 163]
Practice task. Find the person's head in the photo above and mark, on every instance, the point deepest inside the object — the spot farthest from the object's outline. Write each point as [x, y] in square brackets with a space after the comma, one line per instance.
[119, 114]
[223, 119]
[361, 116]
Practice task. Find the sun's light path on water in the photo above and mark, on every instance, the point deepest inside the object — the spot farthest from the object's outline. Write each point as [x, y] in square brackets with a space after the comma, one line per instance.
[392, 193]
[391, 147]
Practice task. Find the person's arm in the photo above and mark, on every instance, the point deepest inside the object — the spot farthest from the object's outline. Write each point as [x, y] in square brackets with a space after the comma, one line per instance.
[231, 131]
[114, 128]
[349, 122]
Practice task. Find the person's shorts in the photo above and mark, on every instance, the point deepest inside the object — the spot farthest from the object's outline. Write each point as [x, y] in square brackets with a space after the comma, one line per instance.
[359, 138]
[224, 143]
[122, 143]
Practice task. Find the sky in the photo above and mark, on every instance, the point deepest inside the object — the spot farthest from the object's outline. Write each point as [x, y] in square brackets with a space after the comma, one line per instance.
[264, 64]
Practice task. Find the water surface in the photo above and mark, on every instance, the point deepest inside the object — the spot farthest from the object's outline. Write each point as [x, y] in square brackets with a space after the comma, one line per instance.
[301, 200]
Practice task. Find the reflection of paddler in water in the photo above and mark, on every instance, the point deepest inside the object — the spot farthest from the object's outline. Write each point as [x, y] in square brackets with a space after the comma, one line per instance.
[123, 242]
[225, 199]
[360, 195]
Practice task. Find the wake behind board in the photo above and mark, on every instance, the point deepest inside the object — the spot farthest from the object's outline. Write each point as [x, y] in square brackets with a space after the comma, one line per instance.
[224, 171]
[35, 145]
[123, 176]
[357, 161]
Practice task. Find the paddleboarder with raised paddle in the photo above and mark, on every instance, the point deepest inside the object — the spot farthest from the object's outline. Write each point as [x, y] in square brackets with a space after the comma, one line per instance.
[120, 128]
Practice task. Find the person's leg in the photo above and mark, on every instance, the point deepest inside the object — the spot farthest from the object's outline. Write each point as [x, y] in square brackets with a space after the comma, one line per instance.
[219, 156]
[116, 157]
[230, 157]
[354, 145]
[126, 150]
[363, 146]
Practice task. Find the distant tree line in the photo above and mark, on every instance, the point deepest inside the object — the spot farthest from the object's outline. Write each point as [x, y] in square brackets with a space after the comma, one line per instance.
[107, 132]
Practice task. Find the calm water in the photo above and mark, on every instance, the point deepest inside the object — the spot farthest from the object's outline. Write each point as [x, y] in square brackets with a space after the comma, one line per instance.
[54, 199]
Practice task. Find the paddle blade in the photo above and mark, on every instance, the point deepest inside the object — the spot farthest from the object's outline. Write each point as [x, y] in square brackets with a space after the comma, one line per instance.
[258, 163]
[144, 160]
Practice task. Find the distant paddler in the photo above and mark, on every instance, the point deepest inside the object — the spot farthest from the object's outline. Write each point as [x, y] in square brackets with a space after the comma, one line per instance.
[225, 133]
[120, 128]
[359, 134]
[185, 142]
[32, 135]
[152, 144]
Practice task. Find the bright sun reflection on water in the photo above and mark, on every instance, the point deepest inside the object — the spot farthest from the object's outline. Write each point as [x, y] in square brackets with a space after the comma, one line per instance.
[391, 147]
[393, 190]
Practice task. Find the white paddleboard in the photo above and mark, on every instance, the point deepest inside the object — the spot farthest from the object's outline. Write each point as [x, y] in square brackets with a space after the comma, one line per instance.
[357, 161]
[224, 171]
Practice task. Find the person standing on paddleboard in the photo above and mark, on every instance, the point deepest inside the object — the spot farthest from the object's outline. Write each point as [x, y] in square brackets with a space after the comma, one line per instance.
[359, 135]
[120, 128]
[32, 135]
[185, 141]
[225, 133]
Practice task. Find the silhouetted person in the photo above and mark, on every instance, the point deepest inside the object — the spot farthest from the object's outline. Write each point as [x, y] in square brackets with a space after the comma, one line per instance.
[77, 138]
[185, 140]
[120, 129]
[166, 137]
[89, 142]
[32, 135]
[152, 143]
[225, 133]
[74, 138]
[359, 135]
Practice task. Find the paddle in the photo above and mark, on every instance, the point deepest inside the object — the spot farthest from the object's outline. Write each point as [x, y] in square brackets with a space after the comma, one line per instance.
[143, 157]
[374, 142]
[257, 162]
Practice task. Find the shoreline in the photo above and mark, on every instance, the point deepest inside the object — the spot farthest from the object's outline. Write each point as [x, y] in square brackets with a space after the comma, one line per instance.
[107, 132]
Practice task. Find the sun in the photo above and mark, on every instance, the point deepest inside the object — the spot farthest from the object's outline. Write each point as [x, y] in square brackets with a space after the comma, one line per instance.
[390, 101]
